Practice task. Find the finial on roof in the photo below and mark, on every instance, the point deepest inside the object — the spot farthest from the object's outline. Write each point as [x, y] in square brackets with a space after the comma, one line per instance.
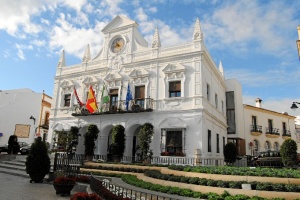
[62, 61]
[221, 68]
[198, 35]
[87, 54]
[156, 39]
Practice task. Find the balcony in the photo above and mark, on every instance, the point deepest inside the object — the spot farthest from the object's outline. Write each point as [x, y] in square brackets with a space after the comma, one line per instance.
[272, 132]
[255, 130]
[45, 124]
[286, 134]
[117, 107]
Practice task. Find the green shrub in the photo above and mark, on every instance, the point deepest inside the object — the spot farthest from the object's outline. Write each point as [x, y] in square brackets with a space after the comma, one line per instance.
[235, 184]
[194, 180]
[223, 184]
[230, 153]
[174, 190]
[264, 186]
[288, 151]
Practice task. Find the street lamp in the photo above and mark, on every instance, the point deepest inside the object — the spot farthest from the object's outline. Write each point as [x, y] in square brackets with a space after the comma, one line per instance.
[294, 106]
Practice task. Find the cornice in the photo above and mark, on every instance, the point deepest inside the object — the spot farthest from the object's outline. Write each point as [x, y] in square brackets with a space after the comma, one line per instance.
[262, 110]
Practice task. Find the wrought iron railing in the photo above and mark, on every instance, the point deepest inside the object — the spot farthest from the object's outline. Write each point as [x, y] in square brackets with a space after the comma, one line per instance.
[68, 163]
[256, 128]
[120, 106]
[272, 131]
[105, 189]
[286, 133]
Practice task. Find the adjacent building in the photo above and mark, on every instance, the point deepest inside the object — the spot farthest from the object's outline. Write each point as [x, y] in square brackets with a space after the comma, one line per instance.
[24, 113]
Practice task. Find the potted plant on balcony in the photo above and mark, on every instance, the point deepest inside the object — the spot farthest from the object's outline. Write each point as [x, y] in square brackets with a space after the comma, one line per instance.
[63, 184]
[38, 161]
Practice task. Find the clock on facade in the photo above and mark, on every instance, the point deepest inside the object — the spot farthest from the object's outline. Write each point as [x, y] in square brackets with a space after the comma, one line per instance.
[117, 45]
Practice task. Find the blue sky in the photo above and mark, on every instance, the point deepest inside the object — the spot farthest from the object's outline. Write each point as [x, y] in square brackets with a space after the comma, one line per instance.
[255, 40]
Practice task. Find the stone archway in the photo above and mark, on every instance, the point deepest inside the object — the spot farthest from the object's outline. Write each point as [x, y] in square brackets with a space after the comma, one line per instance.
[104, 140]
[132, 140]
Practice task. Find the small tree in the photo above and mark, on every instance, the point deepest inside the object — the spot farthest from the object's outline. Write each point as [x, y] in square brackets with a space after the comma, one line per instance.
[288, 152]
[38, 161]
[89, 139]
[145, 138]
[74, 132]
[118, 141]
[230, 153]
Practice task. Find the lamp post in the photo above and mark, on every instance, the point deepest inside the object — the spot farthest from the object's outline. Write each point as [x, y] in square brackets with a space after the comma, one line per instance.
[298, 42]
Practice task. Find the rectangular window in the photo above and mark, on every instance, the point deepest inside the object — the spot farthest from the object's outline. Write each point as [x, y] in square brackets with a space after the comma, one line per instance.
[87, 95]
[209, 141]
[224, 142]
[270, 125]
[218, 143]
[175, 89]
[207, 91]
[46, 122]
[254, 123]
[139, 96]
[284, 132]
[222, 102]
[113, 96]
[216, 100]
[174, 143]
[230, 112]
[67, 100]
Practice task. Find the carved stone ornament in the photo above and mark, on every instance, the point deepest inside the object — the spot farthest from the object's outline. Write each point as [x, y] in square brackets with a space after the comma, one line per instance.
[90, 81]
[67, 86]
[174, 71]
[139, 76]
[113, 79]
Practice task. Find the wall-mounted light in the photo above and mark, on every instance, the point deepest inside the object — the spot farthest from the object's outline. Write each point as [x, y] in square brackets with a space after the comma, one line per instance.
[31, 117]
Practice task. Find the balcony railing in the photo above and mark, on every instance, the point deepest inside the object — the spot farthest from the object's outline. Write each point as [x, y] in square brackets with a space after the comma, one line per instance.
[256, 128]
[272, 131]
[120, 106]
[286, 133]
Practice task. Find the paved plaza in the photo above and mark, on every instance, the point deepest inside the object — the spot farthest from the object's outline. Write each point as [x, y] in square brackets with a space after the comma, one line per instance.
[19, 188]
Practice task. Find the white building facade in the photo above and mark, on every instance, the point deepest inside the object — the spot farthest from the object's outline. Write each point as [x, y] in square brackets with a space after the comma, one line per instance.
[24, 113]
[178, 89]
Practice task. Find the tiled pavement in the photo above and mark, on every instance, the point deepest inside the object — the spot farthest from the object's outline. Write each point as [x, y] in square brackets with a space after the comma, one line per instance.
[15, 185]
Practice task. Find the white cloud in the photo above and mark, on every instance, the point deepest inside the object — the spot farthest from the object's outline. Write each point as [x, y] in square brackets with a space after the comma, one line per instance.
[76, 5]
[74, 40]
[15, 16]
[39, 42]
[242, 23]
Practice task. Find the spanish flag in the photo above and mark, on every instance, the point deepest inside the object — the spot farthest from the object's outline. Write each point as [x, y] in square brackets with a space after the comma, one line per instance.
[91, 103]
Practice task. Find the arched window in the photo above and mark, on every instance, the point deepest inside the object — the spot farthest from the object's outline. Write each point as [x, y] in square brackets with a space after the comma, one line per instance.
[276, 146]
[267, 146]
[256, 147]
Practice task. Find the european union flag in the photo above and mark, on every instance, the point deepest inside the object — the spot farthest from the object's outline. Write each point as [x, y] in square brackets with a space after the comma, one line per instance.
[128, 97]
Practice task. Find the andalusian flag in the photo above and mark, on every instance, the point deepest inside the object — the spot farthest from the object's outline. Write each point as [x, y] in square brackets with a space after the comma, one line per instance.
[104, 97]
[91, 103]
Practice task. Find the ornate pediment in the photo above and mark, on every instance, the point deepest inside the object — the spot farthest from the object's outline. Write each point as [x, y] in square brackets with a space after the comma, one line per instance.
[174, 68]
[90, 80]
[118, 22]
[67, 85]
[174, 71]
[139, 73]
[172, 122]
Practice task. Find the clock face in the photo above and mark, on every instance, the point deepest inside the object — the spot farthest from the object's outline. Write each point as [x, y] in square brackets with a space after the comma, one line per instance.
[117, 45]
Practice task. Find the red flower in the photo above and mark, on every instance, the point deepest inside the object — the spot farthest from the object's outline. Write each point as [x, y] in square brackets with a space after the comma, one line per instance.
[64, 180]
[85, 196]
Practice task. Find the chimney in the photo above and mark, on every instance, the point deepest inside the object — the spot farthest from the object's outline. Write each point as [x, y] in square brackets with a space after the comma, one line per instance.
[258, 102]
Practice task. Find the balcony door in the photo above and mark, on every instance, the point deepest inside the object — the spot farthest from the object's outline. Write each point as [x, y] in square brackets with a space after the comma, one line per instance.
[139, 96]
[113, 96]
